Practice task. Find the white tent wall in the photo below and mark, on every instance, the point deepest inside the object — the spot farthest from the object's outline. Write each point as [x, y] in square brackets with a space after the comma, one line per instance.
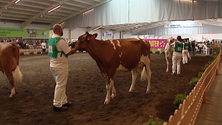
[204, 29]
[207, 31]
[10, 25]
[196, 37]
[18, 25]
[75, 33]
[138, 11]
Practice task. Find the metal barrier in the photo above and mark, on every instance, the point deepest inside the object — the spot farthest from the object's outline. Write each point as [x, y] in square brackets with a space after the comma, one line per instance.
[187, 112]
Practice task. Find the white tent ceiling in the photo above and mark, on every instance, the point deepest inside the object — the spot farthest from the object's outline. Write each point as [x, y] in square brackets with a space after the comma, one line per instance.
[35, 11]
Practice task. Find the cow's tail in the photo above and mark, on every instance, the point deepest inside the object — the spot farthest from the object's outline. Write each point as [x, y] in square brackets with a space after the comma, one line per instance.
[143, 74]
[17, 76]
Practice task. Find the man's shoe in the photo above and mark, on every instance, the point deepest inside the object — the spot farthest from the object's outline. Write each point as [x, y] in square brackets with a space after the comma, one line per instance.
[178, 75]
[67, 104]
[59, 109]
[173, 74]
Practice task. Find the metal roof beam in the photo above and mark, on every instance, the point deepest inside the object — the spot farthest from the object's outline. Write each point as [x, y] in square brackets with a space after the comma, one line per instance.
[79, 12]
[10, 3]
[27, 22]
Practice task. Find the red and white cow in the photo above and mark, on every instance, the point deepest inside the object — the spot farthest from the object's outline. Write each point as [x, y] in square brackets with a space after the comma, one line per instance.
[169, 52]
[9, 62]
[120, 54]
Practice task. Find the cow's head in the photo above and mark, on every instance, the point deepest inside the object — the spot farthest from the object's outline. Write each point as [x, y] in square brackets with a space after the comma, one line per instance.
[84, 40]
[171, 40]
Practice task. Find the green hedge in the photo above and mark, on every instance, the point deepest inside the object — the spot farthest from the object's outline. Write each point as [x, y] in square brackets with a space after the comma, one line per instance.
[179, 99]
[152, 122]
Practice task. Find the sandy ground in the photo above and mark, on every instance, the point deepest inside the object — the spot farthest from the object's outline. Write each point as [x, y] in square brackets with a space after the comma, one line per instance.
[32, 104]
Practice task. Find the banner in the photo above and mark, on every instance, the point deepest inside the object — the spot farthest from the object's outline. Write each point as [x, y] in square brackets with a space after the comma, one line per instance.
[108, 33]
[182, 24]
[17, 32]
[157, 43]
[43, 33]
[13, 32]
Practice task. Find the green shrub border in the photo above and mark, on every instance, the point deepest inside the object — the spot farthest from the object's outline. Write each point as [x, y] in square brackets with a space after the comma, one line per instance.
[194, 81]
[157, 51]
[153, 122]
[179, 99]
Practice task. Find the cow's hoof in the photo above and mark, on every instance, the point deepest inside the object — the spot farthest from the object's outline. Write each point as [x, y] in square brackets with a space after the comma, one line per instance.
[106, 102]
[113, 96]
[147, 92]
[10, 96]
[130, 91]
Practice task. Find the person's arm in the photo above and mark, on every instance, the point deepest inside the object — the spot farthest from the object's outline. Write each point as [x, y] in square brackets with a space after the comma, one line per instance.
[73, 50]
[65, 48]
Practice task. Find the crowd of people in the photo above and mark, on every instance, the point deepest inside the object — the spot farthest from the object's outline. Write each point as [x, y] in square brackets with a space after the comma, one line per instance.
[182, 50]
[207, 46]
[27, 43]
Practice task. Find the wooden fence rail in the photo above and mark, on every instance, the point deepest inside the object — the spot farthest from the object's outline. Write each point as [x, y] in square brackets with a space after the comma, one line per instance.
[28, 51]
[187, 112]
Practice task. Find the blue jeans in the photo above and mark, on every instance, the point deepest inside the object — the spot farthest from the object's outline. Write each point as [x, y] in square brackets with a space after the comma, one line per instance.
[192, 51]
[200, 50]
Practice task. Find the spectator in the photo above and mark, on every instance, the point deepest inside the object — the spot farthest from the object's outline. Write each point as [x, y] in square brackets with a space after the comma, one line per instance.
[200, 46]
[208, 48]
[214, 44]
[43, 47]
[193, 47]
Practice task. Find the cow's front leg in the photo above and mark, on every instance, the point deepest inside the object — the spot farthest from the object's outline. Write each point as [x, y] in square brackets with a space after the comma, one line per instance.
[108, 85]
[113, 88]
[167, 63]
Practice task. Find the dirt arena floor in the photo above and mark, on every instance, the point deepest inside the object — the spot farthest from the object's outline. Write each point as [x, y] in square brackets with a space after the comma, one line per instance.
[32, 104]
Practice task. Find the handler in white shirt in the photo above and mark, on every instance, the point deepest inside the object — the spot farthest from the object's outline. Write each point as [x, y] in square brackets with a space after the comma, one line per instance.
[58, 52]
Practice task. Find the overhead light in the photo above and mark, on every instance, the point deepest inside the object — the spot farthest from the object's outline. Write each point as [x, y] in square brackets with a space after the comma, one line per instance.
[17, 1]
[97, 28]
[88, 11]
[187, 0]
[54, 8]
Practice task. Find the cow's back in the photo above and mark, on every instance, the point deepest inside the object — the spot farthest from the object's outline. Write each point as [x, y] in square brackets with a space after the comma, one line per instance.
[9, 56]
[135, 46]
[131, 51]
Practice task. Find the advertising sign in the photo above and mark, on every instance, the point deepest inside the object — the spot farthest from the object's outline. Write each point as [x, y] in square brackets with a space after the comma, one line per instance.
[17, 32]
[157, 43]
[13, 32]
[43, 33]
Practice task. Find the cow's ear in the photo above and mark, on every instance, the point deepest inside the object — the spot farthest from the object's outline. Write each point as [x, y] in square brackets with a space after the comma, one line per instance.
[95, 35]
[87, 33]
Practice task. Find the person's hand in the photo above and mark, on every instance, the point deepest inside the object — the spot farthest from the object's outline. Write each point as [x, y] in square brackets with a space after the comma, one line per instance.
[72, 44]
